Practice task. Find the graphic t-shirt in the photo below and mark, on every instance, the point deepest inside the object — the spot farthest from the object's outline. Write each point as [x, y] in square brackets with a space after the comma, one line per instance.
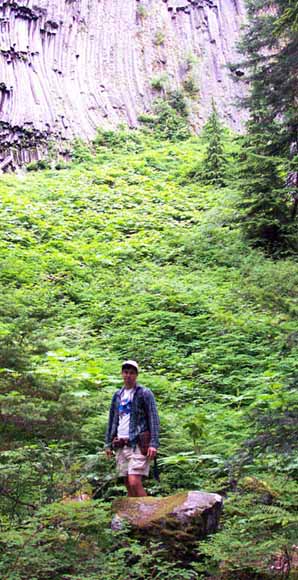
[124, 412]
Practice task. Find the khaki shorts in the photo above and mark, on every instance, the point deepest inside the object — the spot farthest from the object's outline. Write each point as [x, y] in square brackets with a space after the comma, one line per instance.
[130, 462]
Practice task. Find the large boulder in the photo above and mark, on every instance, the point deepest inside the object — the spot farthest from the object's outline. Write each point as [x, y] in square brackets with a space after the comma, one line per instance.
[178, 521]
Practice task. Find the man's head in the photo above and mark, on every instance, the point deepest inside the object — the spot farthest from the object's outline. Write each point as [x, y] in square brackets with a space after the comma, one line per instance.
[129, 373]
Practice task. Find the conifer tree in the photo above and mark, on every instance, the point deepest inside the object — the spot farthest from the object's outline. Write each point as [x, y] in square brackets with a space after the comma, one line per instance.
[214, 162]
[270, 47]
[265, 204]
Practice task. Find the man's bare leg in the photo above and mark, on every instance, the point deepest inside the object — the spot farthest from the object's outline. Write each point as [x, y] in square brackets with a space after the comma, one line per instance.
[135, 486]
[129, 492]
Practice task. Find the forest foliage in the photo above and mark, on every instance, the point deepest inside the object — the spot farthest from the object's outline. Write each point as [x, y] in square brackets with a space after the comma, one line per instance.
[125, 255]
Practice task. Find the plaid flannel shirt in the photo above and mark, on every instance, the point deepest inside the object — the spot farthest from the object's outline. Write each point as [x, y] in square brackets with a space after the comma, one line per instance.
[143, 417]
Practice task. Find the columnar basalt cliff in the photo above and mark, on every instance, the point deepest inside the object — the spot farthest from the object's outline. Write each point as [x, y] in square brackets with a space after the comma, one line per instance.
[70, 66]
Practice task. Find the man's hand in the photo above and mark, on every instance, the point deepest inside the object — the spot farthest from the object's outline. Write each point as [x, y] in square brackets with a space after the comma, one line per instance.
[151, 453]
[109, 453]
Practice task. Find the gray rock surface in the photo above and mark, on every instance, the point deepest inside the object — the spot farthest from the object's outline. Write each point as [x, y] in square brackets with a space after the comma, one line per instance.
[68, 67]
[179, 520]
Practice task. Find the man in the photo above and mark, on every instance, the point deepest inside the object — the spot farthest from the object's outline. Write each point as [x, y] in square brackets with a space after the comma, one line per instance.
[133, 419]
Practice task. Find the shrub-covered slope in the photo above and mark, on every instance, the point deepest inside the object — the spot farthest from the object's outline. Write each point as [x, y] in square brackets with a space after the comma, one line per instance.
[120, 256]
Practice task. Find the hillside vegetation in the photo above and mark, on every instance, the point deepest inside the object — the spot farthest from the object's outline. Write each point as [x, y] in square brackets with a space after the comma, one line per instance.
[126, 254]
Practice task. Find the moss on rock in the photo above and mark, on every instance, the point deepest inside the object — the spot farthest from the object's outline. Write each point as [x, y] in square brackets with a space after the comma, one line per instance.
[178, 520]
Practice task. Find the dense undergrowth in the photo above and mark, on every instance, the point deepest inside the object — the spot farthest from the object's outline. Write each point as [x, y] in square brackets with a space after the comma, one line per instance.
[124, 255]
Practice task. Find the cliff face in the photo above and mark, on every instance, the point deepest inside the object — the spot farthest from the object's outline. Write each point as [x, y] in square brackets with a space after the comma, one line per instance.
[70, 66]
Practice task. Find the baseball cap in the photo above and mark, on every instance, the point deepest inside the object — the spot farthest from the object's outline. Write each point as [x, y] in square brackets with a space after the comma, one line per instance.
[131, 363]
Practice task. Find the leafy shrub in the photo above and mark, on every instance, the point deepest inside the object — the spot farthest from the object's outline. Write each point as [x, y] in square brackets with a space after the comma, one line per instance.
[177, 101]
[147, 118]
[190, 60]
[123, 137]
[159, 83]
[81, 151]
[190, 86]
[142, 10]
[170, 118]
[256, 533]
[159, 37]
[38, 165]
[60, 165]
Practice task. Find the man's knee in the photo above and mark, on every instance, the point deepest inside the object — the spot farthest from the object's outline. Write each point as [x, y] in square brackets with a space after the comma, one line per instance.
[135, 484]
[134, 480]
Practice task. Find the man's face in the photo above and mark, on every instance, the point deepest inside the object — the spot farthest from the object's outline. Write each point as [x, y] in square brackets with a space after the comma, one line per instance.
[129, 375]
